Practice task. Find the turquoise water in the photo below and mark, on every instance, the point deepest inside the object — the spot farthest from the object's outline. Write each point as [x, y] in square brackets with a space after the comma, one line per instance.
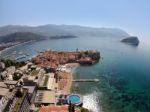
[75, 99]
[124, 73]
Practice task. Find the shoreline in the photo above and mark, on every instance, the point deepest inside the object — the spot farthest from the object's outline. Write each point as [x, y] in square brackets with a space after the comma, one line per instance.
[15, 46]
[70, 79]
[70, 67]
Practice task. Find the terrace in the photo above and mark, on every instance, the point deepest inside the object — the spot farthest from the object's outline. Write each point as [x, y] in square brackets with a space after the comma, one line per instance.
[34, 72]
[45, 97]
[46, 80]
[19, 101]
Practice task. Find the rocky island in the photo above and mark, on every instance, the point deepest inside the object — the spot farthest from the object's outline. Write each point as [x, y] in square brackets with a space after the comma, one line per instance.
[131, 40]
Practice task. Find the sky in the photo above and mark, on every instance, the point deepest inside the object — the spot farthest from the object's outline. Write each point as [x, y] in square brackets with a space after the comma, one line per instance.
[132, 16]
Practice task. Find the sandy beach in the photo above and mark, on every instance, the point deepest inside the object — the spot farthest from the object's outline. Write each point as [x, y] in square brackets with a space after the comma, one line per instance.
[65, 82]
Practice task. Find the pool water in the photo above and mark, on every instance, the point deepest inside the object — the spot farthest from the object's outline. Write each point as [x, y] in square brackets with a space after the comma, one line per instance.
[75, 99]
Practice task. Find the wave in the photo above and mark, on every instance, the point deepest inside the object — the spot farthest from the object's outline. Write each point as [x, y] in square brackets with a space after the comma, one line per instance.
[91, 102]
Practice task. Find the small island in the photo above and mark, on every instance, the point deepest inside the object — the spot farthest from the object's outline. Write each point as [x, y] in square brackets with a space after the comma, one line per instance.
[131, 40]
[63, 37]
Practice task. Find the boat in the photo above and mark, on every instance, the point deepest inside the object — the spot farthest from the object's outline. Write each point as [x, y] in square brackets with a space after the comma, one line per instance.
[20, 57]
[20, 52]
[14, 52]
[7, 56]
[27, 54]
[38, 51]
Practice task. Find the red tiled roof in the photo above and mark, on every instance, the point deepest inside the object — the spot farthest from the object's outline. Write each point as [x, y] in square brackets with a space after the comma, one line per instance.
[54, 58]
[53, 108]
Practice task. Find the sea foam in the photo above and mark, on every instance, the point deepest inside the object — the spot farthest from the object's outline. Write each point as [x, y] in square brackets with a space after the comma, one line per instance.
[91, 102]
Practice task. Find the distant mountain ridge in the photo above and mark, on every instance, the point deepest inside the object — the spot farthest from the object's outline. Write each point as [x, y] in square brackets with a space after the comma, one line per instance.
[58, 30]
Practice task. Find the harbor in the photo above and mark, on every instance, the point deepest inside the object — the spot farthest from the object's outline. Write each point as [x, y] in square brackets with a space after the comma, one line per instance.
[16, 55]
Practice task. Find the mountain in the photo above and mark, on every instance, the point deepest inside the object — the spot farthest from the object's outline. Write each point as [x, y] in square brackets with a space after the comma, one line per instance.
[58, 30]
[131, 40]
[20, 37]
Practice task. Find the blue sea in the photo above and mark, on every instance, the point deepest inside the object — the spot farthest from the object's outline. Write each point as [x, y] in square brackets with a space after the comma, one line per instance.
[123, 71]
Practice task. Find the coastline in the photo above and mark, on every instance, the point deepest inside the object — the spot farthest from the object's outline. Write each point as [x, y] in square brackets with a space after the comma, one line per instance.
[70, 76]
[70, 67]
[19, 44]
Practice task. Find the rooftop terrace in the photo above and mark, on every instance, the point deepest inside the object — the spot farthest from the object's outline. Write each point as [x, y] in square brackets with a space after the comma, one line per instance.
[19, 101]
[47, 97]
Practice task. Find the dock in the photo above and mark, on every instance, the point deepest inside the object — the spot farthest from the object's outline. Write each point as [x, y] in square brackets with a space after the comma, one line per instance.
[85, 80]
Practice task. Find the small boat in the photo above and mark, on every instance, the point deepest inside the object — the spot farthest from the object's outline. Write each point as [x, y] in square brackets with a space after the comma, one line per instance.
[20, 57]
[38, 51]
[7, 56]
[14, 52]
[20, 52]
[27, 54]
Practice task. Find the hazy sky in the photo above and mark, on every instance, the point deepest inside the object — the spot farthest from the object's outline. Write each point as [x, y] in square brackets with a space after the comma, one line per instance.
[131, 15]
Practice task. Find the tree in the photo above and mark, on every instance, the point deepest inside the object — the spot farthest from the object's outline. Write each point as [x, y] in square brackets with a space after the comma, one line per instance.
[19, 93]
[71, 107]
[16, 76]
[84, 110]
[9, 63]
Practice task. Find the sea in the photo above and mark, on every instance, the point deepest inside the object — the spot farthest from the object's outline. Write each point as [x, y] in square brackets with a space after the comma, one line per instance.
[123, 72]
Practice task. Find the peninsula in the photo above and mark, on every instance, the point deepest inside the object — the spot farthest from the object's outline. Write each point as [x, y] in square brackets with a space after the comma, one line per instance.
[55, 58]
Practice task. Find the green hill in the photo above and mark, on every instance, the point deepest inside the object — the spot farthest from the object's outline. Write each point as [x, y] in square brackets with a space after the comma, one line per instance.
[20, 37]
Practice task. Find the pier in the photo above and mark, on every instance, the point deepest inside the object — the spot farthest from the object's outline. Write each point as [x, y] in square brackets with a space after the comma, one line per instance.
[85, 80]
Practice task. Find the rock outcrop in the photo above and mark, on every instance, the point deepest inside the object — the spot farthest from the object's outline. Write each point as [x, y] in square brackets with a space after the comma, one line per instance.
[131, 40]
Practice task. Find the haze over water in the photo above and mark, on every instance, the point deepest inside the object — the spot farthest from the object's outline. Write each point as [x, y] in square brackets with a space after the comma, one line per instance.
[123, 73]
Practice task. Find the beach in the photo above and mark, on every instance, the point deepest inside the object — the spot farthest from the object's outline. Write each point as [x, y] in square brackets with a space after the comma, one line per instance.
[66, 77]
[72, 67]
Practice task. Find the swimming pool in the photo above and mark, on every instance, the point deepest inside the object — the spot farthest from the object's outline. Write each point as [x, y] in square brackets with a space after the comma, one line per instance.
[74, 99]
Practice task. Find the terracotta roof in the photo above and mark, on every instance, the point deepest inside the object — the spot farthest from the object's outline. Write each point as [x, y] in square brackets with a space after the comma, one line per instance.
[53, 108]
[53, 58]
